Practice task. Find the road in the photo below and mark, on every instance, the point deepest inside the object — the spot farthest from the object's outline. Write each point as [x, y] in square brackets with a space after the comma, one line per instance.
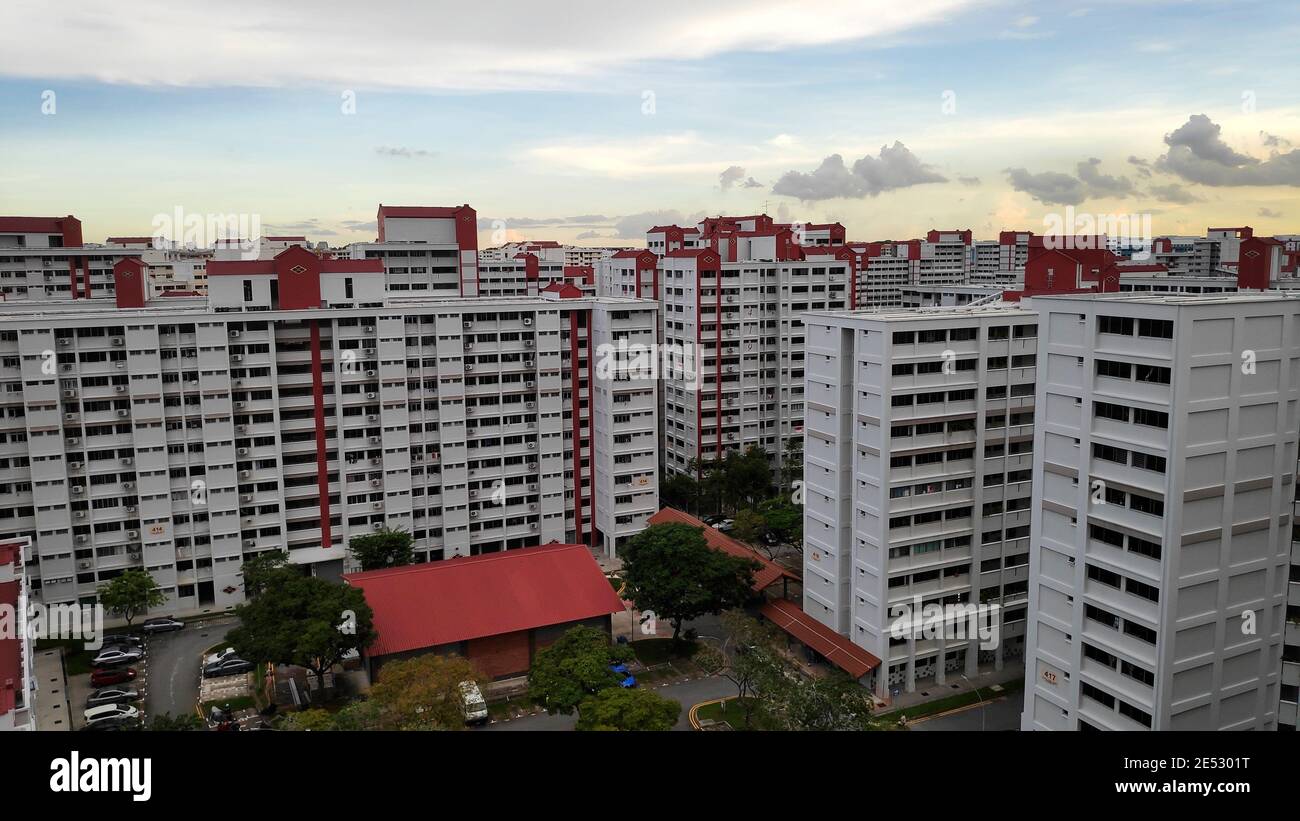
[174, 665]
[686, 694]
[997, 716]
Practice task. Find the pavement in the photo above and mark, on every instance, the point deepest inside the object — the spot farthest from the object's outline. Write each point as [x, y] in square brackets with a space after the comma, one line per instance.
[1000, 715]
[174, 660]
[52, 710]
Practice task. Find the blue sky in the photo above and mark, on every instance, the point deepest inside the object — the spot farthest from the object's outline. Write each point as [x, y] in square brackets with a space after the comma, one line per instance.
[537, 115]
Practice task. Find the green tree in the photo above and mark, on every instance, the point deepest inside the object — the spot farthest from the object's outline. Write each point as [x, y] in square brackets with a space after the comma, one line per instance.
[312, 719]
[681, 491]
[749, 526]
[574, 667]
[784, 520]
[617, 708]
[259, 571]
[831, 702]
[748, 658]
[166, 722]
[791, 464]
[384, 548]
[671, 570]
[131, 594]
[747, 477]
[303, 620]
[422, 693]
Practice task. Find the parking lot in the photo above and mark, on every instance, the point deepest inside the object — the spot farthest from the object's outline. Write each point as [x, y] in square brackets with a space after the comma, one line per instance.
[174, 660]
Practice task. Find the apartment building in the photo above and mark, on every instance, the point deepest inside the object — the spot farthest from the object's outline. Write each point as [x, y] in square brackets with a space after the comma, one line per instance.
[1001, 260]
[425, 249]
[43, 259]
[302, 403]
[17, 690]
[917, 461]
[1164, 465]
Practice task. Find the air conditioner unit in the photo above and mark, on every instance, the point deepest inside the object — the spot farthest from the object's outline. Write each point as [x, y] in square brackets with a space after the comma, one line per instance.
[532, 445]
[133, 554]
[239, 406]
[469, 409]
[81, 538]
[237, 382]
[133, 534]
[69, 417]
[473, 514]
[119, 388]
[377, 505]
[127, 460]
[74, 440]
[65, 342]
[469, 366]
[533, 488]
[372, 418]
[529, 384]
[119, 341]
[242, 428]
[528, 343]
[469, 346]
[244, 474]
[119, 365]
[532, 506]
[528, 363]
[532, 526]
[123, 412]
[242, 451]
[375, 483]
[83, 565]
[234, 334]
[532, 466]
[376, 461]
[75, 465]
[369, 352]
[67, 366]
[369, 329]
[528, 320]
[69, 394]
[131, 510]
[78, 489]
[247, 497]
[374, 440]
[377, 526]
[237, 357]
[250, 542]
[128, 485]
[371, 395]
[370, 373]
[473, 494]
[469, 324]
[81, 514]
[530, 404]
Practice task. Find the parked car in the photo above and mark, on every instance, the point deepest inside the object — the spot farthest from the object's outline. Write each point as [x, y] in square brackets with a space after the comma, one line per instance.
[213, 658]
[120, 639]
[111, 711]
[626, 678]
[227, 667]
[113, 656]
[109, 724]
[724, 525]
[161, 624]
[475, 706]
[119, 675]
[113, 694]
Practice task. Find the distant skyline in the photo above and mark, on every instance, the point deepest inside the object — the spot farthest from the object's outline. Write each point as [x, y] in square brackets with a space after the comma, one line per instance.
[590, 125]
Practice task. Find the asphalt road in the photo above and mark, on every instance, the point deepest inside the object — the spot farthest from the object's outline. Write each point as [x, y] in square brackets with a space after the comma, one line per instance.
[997, 716]
[174, 665]
[686, 694]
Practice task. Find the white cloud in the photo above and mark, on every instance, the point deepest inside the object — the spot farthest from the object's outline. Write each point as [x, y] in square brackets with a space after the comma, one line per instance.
[408, 44]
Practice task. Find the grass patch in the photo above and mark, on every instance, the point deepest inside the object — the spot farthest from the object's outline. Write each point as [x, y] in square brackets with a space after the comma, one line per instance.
[659, 651]
[941, 705]
[732, 711]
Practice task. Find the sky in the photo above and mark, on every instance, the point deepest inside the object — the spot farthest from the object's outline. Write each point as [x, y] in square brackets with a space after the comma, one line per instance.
[588, 122]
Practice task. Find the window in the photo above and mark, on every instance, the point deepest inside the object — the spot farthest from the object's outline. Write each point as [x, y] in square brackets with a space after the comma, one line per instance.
[1115, 325]
[1151, 373]
[1157, 328]
[1105, 410]
[1117, 370]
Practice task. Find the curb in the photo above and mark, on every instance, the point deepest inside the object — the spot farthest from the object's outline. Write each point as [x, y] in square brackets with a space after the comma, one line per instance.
[692, 716]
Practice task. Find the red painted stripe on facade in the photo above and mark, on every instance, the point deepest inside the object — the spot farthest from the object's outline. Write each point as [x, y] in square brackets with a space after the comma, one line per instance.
[591, 431]
[322, 460]
[85, 276]
[717, 297]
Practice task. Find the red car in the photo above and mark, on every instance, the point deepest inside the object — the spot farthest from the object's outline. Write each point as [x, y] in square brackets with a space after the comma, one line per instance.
[103, 678]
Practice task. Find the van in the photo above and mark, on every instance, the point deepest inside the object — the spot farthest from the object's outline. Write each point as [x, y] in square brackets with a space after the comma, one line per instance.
[473, 703]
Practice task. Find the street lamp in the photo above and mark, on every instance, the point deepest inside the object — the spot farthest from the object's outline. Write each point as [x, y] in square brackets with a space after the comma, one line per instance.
[980, 700]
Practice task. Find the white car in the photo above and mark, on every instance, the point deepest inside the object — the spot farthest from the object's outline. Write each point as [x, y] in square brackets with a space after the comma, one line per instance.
[213, 658]
[107, 711]
[471, 699]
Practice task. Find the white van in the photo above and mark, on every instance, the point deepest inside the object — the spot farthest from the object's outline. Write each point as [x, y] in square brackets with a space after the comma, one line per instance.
[473, 703]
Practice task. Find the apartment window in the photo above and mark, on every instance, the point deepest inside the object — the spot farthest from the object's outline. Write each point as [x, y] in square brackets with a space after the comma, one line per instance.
[1115, 325]
[1116, 370]
[1157, 328]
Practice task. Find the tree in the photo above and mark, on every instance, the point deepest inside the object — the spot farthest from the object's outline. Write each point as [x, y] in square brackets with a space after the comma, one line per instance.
[574, 667]
[831, 702]
[617, 708]
[671, 570]
[302, 620]
[312, 719]
[166, 722]
[792, 464]
[422, 693]
[130, 594]
[747, 477]
[749, 526]
[384, 548]
[784, 521]
[259, 571]
[752, 659]
[681, 491]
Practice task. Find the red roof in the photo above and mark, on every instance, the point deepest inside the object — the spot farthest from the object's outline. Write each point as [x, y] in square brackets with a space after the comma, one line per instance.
[428, 605]
[763, 577]
[836, 649]
[419, 211]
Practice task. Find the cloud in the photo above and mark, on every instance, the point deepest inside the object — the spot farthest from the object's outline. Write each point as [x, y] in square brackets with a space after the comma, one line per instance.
[969, 181]
[1274, 141]
[1173, 192]
[1141, 166]
[735, 175]
[634, 226]
[312, 226]
[360, 225]
[297, 43]
[1102, 185]
[598, 218]
[403, 152]
[1026, 21]
[580, 221]
[1198, 154]
[896, 167]
[596, 235]
[1047, 187]
[1269, 213]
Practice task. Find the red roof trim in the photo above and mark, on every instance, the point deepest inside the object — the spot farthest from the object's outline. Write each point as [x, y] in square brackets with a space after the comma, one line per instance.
[836, 649]
[770, 571]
